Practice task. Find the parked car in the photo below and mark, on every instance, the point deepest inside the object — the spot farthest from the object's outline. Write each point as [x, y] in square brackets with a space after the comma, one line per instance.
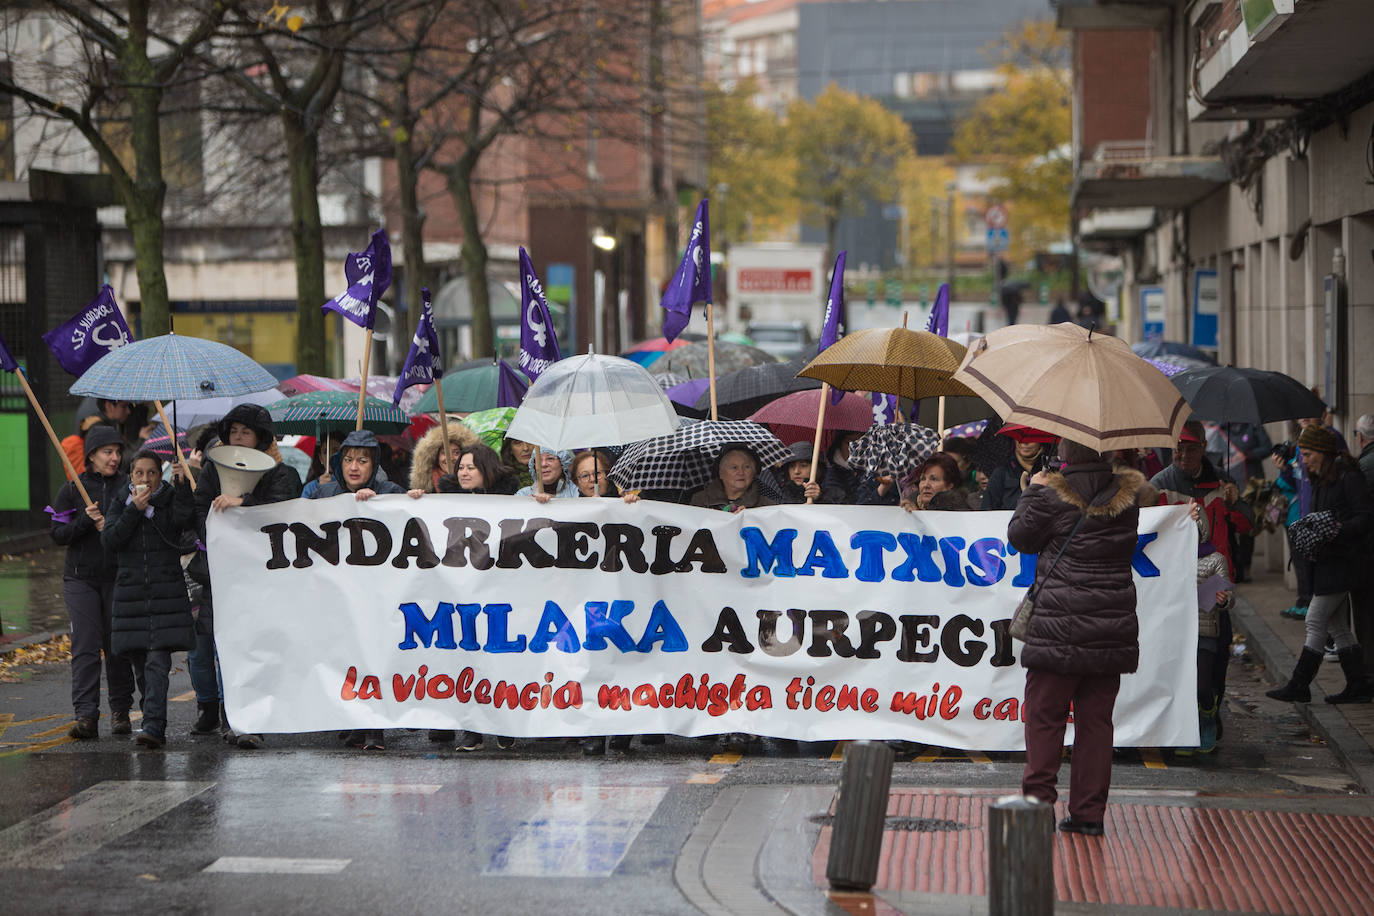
[783, 339]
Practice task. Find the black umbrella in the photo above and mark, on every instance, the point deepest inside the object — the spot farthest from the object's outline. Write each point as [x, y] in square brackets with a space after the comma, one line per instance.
[740, 393]
[1225, 394]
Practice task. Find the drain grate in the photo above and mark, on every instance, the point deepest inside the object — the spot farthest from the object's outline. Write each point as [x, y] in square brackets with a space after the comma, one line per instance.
[908, 824]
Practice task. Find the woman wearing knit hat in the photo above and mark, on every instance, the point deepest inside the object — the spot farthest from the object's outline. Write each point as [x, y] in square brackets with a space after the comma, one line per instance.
[1337, 488]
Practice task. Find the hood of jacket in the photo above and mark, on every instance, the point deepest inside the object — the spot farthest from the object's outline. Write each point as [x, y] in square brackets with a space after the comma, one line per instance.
[565, 482]
[255, 417]
[424, 461]
[359, 438]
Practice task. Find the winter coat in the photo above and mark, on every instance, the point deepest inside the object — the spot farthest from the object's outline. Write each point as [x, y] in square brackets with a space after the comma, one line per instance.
[377, 483]
[566, 489]
[504, 486]
[424, 461]
[1176, 487]
[1085, 619]
[87, 559]
[1004, 486]
[713, 497]
[856, 487]
[151, 607]
[1343, 564]
[1367, 465]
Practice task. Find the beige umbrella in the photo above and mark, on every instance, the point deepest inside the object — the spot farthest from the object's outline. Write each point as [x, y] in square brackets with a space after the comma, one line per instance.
[910, 364]
[1077, 384]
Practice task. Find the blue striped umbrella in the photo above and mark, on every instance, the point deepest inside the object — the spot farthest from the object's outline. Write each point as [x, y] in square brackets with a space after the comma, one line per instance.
[171, 367]
[307, 414]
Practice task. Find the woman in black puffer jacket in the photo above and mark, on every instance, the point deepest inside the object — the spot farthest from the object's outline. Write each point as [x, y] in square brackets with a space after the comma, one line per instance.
[145, 530]
[1084, 634]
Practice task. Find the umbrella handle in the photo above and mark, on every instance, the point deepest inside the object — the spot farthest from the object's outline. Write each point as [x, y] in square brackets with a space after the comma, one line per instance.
[820, 431]
[176, 444]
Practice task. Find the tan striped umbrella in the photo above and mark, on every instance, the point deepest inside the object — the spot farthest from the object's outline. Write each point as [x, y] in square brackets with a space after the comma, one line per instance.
[910, 364]
[1081, 385]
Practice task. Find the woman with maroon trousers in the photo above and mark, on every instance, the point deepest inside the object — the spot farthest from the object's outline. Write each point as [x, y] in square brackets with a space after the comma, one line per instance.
[1084, 634]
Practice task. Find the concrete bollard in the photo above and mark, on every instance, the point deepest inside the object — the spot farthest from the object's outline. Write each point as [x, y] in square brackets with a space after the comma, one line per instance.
[1020, 857]
[856, 837]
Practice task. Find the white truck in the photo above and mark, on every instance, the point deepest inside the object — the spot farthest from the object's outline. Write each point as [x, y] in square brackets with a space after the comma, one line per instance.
[776, 284]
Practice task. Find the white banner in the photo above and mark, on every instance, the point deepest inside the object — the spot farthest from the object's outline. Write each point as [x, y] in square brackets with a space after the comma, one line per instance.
[589, 616]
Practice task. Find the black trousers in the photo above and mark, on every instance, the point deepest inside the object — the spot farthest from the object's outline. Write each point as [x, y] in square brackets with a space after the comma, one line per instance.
[89, 607]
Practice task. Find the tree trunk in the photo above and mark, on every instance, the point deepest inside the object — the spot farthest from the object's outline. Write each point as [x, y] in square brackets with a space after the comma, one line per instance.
[459, 178]
[307, 238]
[143, 211]
[412, 234]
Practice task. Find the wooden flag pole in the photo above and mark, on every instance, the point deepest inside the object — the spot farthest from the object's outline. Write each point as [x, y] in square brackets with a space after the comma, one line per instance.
[443, 424]
[820, 429]
[181, 459]
[538, 470]
[56, 442]
[711, 358]
[362, 387]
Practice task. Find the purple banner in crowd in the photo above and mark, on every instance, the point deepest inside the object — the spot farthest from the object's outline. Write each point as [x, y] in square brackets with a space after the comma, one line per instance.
[423, 362]
[99, 328]
[7, 360]
[510, 387]
[538, 343]
[939, 313]
[834, 315]
[691, 284]
[369, 275]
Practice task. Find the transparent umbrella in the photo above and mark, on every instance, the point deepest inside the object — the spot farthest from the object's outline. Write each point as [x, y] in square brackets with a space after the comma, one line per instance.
[591, 400]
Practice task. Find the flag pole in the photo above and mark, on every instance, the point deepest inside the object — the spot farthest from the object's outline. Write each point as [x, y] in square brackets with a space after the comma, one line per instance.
[443, 424]
[711, 358]
[897, 406]
[538, 471]
[181, 459]
[56, 443]
[820, 429]
[362, 387]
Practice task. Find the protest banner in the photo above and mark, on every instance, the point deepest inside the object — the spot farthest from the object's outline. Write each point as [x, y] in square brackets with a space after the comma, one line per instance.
[590, 616]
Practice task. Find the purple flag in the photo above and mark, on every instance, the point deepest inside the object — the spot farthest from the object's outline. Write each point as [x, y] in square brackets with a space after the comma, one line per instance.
[692, 282]
[7, 360]
[510, 387]
[884, 408]
[422, 362]
[369, 275]
[538, 344]
[80, 342]
[939, 313]
[834, 305]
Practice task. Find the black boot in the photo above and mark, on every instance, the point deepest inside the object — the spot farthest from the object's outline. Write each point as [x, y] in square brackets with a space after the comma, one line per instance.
[1357, 686]
[1297, 689]
[207, 721]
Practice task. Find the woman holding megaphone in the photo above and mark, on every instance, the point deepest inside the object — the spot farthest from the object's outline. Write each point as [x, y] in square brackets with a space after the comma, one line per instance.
[244, 426]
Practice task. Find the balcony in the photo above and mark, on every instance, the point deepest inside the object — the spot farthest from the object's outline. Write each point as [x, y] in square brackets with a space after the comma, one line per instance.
[1128, 174]
[1268, 58]
[1112, 14]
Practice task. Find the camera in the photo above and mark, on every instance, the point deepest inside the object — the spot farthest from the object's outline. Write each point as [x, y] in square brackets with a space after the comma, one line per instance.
[1285, 450]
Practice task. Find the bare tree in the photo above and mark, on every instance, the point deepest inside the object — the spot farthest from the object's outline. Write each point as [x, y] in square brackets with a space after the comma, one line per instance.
[113, 66]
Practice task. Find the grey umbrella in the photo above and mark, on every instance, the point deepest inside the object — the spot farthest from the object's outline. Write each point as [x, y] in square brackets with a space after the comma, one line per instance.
[690, 361]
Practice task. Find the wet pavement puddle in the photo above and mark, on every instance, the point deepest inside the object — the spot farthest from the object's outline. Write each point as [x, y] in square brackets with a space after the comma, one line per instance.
[577, 832]
[274, 865]
[381, 788]
[90, 819]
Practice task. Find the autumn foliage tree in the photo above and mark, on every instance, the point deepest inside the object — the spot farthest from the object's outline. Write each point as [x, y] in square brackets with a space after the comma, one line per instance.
[751, 169]
[1022, 135]
[850, 150]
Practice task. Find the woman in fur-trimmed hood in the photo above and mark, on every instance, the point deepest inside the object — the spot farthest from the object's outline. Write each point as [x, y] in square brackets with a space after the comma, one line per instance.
[424, 461]
[1084, 634]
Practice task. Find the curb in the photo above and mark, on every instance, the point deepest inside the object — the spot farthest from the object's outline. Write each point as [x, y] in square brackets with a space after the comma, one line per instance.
[27, 641]
[26, 543]
[1348, 744]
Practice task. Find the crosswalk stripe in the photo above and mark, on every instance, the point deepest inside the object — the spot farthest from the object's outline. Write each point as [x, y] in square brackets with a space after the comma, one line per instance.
[275, 865]
[577, 831]
[381, 788]
[88, 820]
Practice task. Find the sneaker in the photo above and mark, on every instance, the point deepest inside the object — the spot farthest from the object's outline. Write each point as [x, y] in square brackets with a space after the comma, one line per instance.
[504, 743]
[251, 742]
[120, 724]
[149, 739]
[469, 741]
[83, 729]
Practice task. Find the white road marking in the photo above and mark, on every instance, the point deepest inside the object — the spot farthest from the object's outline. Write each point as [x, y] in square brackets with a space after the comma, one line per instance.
[579, 831]
[90, 819]
[382, 788]
[275, 865]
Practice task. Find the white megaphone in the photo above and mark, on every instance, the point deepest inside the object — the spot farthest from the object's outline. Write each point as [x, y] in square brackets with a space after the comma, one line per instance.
[240, 468]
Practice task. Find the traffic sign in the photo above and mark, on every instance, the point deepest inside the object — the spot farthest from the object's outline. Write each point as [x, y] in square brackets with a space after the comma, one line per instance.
[998, 239]
[995, 217]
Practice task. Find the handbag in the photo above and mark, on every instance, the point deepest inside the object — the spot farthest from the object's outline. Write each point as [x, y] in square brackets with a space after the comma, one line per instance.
[1314, 531]
[1021, 618]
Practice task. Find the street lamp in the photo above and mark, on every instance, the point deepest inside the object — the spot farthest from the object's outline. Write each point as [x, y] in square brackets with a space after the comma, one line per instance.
[603, 241]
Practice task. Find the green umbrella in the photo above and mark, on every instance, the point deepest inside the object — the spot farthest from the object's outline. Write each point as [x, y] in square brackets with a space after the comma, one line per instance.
[465, 390]
[313, 412]
[490, 425]
[735, 337]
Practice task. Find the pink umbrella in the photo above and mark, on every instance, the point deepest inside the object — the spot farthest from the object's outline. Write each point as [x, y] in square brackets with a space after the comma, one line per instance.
[792, 418]
[300, 384]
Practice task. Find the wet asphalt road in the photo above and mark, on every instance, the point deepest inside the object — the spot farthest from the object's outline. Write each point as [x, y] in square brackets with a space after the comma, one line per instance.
[307, 825]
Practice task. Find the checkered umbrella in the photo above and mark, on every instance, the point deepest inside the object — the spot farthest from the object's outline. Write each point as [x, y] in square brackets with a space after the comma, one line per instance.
[740, 393]
[893, 449]
[171, 366]
[687, 458]
[970, 430]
